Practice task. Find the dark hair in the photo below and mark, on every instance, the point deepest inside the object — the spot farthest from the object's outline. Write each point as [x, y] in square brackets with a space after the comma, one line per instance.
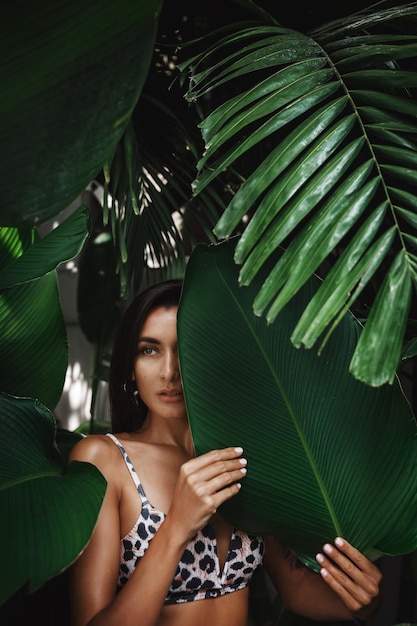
[127, 411]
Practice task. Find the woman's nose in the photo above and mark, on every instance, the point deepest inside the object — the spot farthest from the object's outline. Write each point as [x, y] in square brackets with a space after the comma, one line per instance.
[170, 367]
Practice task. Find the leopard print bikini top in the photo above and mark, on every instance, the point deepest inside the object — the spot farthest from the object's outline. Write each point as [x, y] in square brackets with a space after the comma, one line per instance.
[198, 574]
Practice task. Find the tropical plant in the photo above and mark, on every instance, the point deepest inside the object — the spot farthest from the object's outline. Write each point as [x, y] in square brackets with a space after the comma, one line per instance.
[40, 499]
[72, 76]
[335, 108]
[328, 455]
[70, 83]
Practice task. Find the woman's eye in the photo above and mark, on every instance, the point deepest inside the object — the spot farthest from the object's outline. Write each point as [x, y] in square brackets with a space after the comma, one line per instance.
[148, 350]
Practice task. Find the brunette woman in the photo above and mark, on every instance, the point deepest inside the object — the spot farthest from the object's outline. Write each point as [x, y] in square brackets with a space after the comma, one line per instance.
[160, 554]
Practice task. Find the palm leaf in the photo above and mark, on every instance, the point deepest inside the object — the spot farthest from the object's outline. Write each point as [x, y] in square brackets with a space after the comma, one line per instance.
[39, 501]
[327, 454]
[335, 116]
[149, 197]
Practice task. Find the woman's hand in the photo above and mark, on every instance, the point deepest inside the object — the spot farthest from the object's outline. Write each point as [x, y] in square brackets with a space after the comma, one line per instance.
[353, 577]
[203, 484]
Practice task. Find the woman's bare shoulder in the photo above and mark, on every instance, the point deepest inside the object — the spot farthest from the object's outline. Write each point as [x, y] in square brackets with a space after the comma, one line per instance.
[96, 449]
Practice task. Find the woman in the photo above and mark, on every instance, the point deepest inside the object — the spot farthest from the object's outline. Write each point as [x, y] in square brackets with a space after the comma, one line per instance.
[160, 554]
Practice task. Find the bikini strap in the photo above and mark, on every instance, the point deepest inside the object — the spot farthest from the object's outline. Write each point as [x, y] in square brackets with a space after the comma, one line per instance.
[131, 469]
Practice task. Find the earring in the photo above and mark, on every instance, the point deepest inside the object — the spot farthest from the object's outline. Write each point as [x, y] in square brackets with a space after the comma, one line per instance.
[133, 389]
[136, 396]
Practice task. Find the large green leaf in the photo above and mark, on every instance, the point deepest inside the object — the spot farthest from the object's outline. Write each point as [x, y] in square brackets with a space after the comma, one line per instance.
[333, 115]
[71, 74]
[34, 346]
[327, 454]
[26, 263]
[43, 528]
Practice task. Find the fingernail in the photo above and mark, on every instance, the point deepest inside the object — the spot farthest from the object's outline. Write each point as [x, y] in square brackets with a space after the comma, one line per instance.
[243, 470]
[243, 461]
[320, 558]
[339, 541]
[239, 485]
[327, 548]
[324, 572]
[239, 449]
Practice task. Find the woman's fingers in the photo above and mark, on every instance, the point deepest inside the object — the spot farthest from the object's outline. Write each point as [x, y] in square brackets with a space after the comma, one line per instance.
[350, 574]
[218, 469]
[225, 494]
[214, 477]
[354, 563]
[211, 462]
[204, 483]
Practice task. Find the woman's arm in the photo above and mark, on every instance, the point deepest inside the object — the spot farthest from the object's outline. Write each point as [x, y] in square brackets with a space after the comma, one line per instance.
[93, 576]
[203, 484]
[346, 588]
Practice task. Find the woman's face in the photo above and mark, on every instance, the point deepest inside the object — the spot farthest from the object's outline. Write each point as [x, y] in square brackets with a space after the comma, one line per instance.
[156, 366]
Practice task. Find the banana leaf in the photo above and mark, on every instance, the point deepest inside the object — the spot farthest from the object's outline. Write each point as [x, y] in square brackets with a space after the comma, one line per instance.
[33, 337]
[43, 528]
[34, 345]
[327, 454]
[20, 263]
[71, 74]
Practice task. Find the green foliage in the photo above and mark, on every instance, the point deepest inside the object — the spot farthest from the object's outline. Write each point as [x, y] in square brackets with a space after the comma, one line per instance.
[154, 220]
[327, 455]
[71, 74]
[39, 499]
[334, 116]
[315, 135]
[32, 325]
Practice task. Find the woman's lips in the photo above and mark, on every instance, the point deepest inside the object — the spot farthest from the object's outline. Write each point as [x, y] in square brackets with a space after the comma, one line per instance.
[171, 396]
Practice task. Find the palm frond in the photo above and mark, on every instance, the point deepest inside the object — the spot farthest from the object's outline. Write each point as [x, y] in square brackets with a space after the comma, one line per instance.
[154, 229]
[334, 116]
